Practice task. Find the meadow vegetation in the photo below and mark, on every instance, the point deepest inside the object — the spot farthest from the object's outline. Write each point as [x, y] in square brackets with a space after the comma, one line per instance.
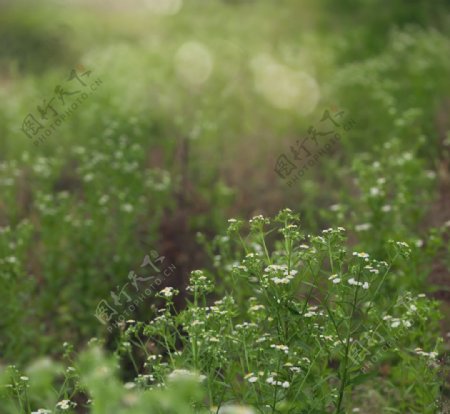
[153, 259]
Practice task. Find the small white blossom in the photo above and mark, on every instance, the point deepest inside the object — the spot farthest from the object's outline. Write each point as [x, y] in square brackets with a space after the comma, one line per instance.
[251, 377]
[167, 292]
[127, 208]
[283, 348]
[235, 409]
[184, 374]
[335, 279]
[278, 280]
[431, 355]
[363, 227]
[65, 404]
[363, 255]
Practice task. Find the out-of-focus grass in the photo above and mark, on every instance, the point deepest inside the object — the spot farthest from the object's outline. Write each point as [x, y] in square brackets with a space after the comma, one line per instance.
[212, 95]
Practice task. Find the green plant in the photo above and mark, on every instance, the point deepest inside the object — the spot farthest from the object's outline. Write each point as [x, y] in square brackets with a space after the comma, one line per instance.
[286, 335]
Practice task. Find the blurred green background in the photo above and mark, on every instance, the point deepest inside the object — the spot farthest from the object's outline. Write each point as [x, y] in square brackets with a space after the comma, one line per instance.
[193, 105]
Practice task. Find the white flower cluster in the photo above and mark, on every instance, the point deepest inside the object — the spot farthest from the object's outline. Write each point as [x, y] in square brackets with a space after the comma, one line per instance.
[246, 326]
[262, 338]
[353, 282]
[335, 278]
[396, 322]
[312, 312]
[168, 292]
[252, 377]
[363, 227]
[279, 274]
[185, 375]
[198, 281]
[431, 355]
[362, 255]
[271, 380]
[375, 191]
[254, 306]
[235, 409]
[280, 347]
[259, 220]
[65, 405]
[292, 367]
[236, 266]
[371, 269]
[145, 377]
[331, 230]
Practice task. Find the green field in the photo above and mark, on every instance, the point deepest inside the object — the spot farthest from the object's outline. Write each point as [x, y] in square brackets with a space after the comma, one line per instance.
[224, 206]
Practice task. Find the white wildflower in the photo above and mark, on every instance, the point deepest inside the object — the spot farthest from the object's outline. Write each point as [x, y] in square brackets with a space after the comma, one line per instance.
[363, 255]
[236, 409]
[65, 404]
[280, 347]
[363, 227]
[127, 208]
[167, 292]
[335, 279]
[185, 375]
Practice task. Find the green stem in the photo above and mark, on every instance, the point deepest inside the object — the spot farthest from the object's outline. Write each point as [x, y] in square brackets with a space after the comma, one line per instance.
[347, 348]
[263, 240]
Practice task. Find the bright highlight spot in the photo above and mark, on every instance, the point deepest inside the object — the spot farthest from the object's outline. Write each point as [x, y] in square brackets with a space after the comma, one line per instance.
[194, 63]
[164, 7]
[283, 87]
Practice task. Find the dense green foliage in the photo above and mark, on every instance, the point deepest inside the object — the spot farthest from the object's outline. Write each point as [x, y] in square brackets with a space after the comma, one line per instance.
[182, 112]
